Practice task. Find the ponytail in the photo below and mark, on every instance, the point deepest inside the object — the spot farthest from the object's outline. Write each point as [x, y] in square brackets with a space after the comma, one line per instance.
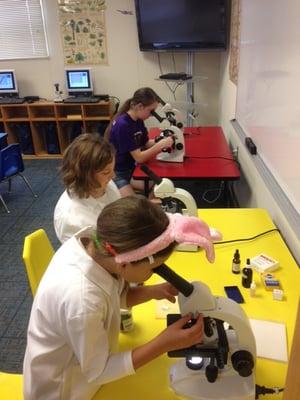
[144, 96]
[123, 109]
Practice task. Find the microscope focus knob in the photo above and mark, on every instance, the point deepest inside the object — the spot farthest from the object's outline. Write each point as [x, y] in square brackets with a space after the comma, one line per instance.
[211, 373]
[242, 362]
[208, 328]
[179, 146]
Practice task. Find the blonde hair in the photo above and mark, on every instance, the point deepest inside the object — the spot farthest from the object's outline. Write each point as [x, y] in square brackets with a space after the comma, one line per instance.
[129, 223]
[86, 155]
[145, 96]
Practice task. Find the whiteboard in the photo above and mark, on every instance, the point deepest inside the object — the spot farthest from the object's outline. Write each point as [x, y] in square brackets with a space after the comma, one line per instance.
[268, 94]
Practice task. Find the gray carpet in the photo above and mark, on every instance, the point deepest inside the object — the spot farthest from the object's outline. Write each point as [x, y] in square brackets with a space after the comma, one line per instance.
[27, 215]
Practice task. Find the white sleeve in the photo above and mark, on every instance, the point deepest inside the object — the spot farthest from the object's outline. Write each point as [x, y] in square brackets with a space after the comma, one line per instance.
[123, 295]
[115, 193]
[89, 340]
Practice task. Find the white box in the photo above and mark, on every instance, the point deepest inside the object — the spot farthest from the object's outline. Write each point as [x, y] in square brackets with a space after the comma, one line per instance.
[264, 263]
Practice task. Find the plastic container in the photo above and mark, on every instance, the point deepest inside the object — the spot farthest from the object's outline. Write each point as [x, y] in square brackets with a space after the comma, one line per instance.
[126, 324]
[252, 289]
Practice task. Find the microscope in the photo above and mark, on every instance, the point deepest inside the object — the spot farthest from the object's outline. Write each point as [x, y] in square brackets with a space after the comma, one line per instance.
[58, 94]
[173, 200]
[172, 126]
[222, 367]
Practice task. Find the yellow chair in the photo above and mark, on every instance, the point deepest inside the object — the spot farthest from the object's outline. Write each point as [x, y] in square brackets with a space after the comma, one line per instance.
[11, 386]
[37, 253]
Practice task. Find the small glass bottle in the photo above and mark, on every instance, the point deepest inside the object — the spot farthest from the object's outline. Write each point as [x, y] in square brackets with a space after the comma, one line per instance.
[236, 262]
[252, 289]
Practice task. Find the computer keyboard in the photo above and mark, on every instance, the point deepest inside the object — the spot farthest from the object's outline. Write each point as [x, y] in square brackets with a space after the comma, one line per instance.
[78, 99]
[176, 76]
[11, 100]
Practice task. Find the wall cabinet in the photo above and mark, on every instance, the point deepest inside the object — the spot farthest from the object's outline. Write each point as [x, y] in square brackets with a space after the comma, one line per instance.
[44, 130]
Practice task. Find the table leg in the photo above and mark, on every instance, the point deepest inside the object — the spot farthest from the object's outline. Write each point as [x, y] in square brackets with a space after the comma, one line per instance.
[146, 187]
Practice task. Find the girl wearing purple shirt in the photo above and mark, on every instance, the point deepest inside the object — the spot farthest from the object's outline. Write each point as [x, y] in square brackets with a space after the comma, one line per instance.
[128, 134]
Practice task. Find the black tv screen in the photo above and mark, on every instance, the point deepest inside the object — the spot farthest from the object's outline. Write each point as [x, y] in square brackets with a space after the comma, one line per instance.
[186, 25]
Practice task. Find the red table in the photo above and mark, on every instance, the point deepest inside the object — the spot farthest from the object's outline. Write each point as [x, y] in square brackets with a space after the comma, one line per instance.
[207, 157]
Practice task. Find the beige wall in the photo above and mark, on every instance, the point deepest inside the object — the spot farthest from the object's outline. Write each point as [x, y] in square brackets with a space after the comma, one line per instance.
[127, 69]
[251, 189]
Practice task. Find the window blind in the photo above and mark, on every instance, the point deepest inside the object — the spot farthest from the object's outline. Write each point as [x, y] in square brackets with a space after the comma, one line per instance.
[22, 30]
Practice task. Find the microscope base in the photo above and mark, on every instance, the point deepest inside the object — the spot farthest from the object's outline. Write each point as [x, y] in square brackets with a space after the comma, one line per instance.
[194, 385]
[176, 156]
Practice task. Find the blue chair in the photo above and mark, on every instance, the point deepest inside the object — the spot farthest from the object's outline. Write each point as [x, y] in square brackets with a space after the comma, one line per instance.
[11, 165]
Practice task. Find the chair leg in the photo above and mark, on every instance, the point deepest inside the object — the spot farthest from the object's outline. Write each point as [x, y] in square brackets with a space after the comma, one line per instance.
[9, 185]
[28, 184]
[5, 206]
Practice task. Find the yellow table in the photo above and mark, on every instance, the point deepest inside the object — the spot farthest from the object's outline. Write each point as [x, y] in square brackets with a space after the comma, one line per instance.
[151, 381]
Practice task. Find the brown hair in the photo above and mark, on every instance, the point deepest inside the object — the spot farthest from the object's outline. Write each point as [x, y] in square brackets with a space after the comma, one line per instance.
[86, 155]
[145, 96]
[131, 222]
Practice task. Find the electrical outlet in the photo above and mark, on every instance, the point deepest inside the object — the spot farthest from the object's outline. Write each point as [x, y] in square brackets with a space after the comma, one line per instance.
[235, 153]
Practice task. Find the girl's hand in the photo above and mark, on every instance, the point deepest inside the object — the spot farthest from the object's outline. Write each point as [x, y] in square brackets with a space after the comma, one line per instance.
[164, 291]
[166, 142]
[176, 337]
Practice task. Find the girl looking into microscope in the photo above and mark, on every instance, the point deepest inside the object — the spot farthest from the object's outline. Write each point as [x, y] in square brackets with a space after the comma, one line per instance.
[128, 134]
[72, 340]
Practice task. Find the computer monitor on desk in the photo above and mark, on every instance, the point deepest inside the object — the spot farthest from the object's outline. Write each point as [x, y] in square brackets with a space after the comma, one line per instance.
[79, 82]
[8, 83]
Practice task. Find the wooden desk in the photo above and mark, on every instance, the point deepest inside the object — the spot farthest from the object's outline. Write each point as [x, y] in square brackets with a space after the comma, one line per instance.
[208, 157]
[151, 381]
[63, 117]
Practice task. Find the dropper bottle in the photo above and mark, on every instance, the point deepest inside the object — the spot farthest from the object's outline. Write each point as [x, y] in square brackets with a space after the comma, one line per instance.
[236, 262]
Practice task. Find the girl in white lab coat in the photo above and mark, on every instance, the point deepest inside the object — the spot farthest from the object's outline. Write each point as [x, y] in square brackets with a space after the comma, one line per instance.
[87, 171]
[72, 342]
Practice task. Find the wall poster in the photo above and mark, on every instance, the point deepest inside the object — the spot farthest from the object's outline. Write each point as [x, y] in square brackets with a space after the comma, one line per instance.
[82, 25]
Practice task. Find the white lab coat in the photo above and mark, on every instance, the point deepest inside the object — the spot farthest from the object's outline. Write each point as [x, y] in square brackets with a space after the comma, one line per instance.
[72, 213]
[73, 330]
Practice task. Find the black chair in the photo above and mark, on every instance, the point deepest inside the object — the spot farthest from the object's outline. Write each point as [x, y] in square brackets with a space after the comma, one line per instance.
[11, 165]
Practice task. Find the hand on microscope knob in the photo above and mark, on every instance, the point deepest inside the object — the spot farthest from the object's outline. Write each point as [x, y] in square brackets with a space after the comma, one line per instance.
[177, 336]
[166, 143]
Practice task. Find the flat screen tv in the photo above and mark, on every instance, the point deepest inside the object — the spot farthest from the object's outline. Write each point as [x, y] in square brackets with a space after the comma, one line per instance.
[79, 81]
[182, 25]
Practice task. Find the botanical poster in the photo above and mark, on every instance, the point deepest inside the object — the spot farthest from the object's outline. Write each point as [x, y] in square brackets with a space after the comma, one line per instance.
[82, 24]
[235, 41]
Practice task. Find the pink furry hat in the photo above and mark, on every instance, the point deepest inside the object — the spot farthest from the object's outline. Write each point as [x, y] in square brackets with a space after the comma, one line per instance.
[181, 229]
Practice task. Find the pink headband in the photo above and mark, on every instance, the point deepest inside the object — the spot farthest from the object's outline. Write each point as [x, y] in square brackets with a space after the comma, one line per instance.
[181, 229]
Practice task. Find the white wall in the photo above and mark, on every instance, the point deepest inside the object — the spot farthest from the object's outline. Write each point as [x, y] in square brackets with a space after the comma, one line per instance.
[251, 189]
[127, 69]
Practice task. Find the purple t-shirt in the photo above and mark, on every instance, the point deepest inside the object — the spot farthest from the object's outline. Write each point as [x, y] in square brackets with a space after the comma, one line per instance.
[127, 135]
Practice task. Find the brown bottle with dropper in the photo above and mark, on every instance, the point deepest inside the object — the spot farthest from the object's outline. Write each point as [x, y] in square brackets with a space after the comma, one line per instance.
[236, 262]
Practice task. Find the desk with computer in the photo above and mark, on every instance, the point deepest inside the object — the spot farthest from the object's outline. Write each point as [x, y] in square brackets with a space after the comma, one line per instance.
[79, 86]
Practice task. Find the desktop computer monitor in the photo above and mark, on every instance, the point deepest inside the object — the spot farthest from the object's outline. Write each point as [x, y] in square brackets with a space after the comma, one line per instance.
[79, 82]
[8, 83]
